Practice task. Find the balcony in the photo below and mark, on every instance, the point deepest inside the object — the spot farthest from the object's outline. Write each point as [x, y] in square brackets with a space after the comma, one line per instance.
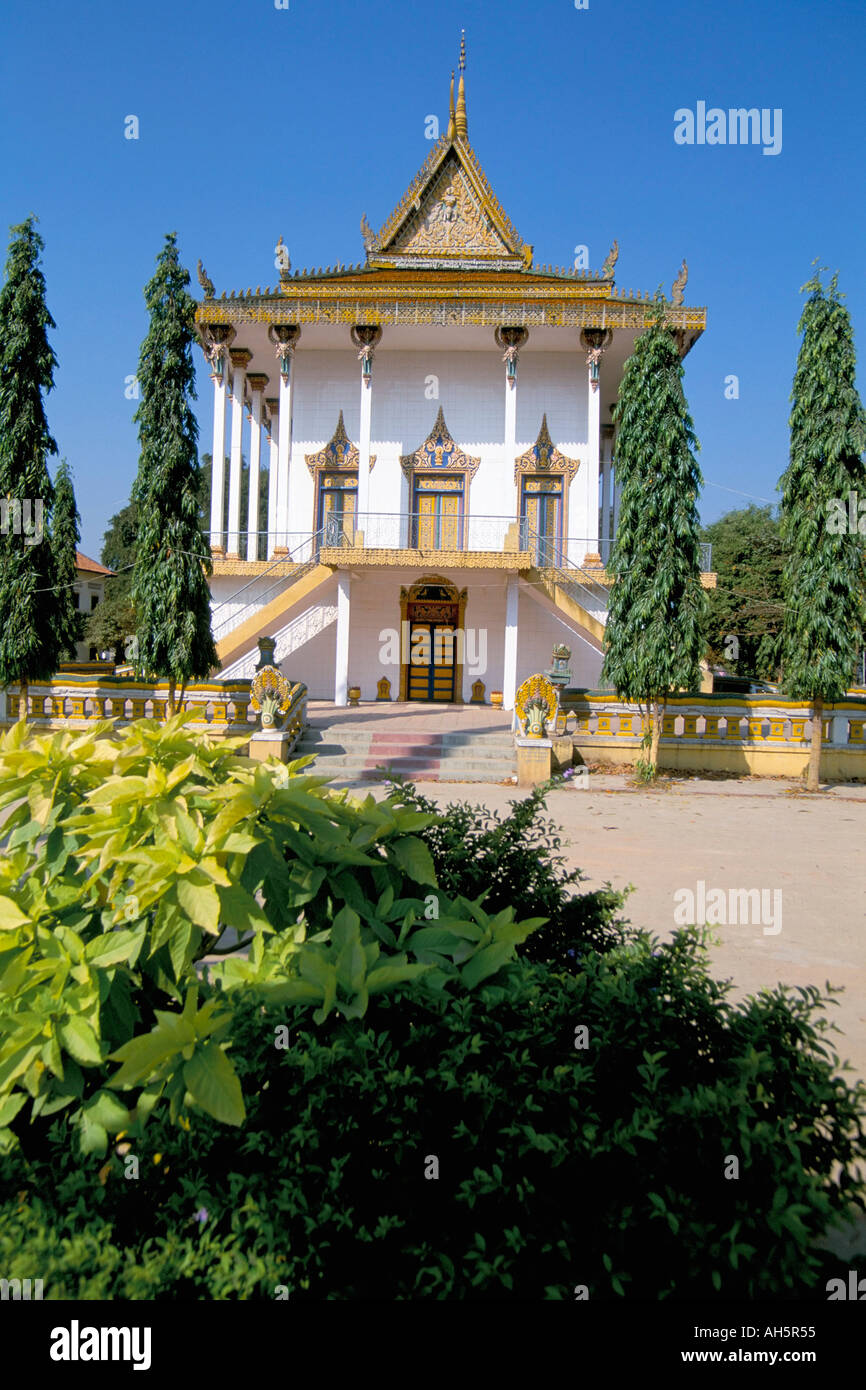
[407, 538]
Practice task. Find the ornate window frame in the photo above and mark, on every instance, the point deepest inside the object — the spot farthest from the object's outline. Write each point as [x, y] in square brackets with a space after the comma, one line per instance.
[544, 458]
[339, 455]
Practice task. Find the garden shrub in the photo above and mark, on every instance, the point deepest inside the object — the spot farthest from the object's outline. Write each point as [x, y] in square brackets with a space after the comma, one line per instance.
[125, 856]
[514, 859]
[391, 951]
[558, 1165]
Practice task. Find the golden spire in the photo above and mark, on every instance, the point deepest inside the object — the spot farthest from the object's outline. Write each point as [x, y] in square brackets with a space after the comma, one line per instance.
[461, 125]
[451, 127]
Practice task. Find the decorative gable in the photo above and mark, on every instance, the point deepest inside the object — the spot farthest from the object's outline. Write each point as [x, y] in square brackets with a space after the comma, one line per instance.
[338, 454]
[544, 457]
[448, 217]
[439, 453]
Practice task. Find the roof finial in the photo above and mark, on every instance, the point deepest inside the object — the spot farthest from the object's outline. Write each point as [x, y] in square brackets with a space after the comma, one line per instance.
[461, 124]
[452, 131]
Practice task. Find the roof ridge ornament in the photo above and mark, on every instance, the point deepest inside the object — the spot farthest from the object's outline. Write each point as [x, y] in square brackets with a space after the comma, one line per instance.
[679, 285]
[452, 129]
[461, 123]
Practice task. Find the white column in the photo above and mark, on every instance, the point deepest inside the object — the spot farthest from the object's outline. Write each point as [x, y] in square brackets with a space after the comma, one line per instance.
[512, 339]
[605, 494]
[592, 455]
[510, 439]
[240, 361]
[364, 450]
[617, 497]
[341, 664]
[509, 673]
[284, 339]
[365, 337]
[285, 451]
[273, 473]
[218, 460]
[258, 381]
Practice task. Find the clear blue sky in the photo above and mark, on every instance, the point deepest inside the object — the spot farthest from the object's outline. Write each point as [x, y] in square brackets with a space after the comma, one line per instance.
[256, 121]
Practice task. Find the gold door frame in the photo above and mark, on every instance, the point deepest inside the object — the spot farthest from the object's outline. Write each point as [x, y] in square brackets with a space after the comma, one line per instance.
[455, 596]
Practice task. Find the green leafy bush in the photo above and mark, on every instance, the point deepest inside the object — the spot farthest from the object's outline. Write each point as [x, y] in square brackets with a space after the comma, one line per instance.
[514, 861]
[127, 855]
[559, 1165]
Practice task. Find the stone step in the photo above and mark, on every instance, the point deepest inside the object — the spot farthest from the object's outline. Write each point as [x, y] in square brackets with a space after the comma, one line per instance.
[361, 736]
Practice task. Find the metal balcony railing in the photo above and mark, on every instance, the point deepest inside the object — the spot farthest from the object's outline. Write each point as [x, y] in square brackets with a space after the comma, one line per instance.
[233, 611]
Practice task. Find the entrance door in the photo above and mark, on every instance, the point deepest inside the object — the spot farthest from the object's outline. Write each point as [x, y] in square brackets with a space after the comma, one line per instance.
[431, 661]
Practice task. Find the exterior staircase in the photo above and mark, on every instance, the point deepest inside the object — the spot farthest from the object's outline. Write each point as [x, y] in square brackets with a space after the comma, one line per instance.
[355, 754]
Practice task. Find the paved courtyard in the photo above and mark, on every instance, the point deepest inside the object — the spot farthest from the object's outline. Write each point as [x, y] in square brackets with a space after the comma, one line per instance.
[731, 835]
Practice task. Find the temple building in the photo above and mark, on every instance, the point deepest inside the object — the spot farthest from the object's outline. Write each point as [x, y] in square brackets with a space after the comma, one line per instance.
[429, 436]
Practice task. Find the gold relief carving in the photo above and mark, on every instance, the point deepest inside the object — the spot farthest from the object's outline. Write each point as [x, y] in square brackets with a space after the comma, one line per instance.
[451, 222]
[544, 456]
[419, 303]
[335, 558]
[339, 453]
[439, 451]
[536, 687]
[432, 180]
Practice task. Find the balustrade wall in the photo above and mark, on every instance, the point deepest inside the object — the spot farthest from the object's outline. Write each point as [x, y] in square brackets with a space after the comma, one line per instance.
[222, 708]
[764, 735]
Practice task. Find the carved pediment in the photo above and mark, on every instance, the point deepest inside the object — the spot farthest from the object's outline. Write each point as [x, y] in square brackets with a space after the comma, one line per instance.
[544, 457]
[448, 216]
[439, 452]
[339, 454]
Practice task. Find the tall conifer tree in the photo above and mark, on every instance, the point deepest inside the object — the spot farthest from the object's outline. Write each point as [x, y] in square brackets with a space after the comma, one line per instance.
[65, 535]
[824, 577]
[170, 591]
[654, 634]
[31, 639]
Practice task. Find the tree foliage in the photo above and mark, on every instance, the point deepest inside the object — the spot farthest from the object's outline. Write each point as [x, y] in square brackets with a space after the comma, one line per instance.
[31, 636]
[748, 601]
[112, 622]
[65, 535]
[825, 577]
[654, 633]
[170, 592]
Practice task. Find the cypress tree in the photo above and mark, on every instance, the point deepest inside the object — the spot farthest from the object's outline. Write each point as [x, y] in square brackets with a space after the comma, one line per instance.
[824, 576]
[31, 637]
[65, 535]
[170, 591]
[654, 632]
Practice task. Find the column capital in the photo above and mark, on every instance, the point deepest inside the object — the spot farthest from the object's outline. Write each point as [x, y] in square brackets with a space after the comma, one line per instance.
[367, 338]
[257, 381]
[285, 337]
[595, 340]
[512, 339]
[215, 340]
[241, 357]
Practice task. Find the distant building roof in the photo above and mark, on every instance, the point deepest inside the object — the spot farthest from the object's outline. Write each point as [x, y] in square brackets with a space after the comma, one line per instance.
[84, 562]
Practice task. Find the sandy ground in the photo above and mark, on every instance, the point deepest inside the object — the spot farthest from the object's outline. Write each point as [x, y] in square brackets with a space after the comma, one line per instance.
[744, 834]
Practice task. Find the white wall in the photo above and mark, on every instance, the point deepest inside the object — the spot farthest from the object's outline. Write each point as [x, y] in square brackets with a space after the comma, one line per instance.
[470, 388]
